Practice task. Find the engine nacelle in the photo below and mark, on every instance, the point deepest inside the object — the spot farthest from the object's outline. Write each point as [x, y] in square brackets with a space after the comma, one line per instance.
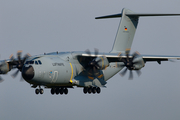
[138, 63]
[4, 67]
[102, 62]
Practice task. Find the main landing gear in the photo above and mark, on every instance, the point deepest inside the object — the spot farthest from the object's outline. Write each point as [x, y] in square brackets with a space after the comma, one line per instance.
[40, 90]
[57, 91]
[91, 90]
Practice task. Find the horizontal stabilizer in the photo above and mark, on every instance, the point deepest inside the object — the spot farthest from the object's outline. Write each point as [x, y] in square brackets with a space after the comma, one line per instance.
[135, 14]
[127, 28]
[109, 16]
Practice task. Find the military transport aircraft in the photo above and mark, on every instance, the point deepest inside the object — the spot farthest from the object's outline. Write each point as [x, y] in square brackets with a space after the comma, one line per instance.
[89, 70]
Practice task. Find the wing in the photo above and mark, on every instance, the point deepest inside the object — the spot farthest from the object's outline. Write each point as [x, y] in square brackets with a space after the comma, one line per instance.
[159, 58]
[115, 57]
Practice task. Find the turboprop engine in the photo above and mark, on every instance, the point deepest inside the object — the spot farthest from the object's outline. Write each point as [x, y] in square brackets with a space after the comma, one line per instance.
[96, 63]
[101, 62]
[138, 63]
[135, 62]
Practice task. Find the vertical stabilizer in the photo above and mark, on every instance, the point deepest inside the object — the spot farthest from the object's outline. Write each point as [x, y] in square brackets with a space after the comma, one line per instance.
[127, 28]
[126, 31]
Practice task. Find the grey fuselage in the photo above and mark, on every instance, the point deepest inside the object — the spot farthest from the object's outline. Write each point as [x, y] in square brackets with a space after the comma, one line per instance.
[58, 69]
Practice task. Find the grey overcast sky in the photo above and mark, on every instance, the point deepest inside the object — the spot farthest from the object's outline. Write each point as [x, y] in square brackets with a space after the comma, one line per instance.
[38, 26]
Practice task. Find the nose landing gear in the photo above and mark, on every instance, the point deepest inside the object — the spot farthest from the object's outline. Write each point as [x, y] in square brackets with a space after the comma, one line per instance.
[41, 91]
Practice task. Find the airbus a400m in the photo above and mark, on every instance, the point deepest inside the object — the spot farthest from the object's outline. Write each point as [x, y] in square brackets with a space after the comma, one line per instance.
[60, 71]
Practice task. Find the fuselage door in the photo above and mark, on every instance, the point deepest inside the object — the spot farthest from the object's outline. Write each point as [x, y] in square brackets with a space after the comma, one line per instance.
[55, 76]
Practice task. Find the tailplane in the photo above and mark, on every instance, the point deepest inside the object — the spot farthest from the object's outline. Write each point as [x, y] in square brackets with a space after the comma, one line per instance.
[127, 28]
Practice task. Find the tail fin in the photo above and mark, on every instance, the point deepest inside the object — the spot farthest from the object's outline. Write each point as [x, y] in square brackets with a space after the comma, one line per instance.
[127, 28]
[126, 31]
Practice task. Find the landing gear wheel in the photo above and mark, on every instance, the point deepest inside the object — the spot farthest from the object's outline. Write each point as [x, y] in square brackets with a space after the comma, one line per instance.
[98, 90]
[85, 90]
[57, 91]
[65, 91]
[52, 91]
[93, 90]
[41, 91]
[89, 90]
[61, 91]
[37, 91]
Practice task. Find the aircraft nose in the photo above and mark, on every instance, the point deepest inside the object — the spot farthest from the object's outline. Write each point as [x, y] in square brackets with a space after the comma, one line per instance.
[28, 72]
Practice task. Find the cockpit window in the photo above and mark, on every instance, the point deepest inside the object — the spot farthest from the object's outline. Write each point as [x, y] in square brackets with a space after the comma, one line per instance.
[39, 62]
[27, 62]
[36, 63]
[31, 62]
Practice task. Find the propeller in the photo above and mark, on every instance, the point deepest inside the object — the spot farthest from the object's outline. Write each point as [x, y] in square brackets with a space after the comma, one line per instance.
[18, 64]
[92, 64]
[1, 79]
[129, 64]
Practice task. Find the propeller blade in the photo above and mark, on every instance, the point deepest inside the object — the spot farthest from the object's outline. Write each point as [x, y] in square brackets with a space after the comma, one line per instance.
[21, 79]
[1, 79]
[171, 60]
[136, 62]
[28, 55]
[131, 75]
[15, 74]
[127, 55]
[135, 54]
[120, 58]
[127, 51]
[19, 55]
[123, 72]
[25, 57]
[138, 72]
[11, 57]
[88, 52]
[99, 60]
[96, 51]
[123, 60]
